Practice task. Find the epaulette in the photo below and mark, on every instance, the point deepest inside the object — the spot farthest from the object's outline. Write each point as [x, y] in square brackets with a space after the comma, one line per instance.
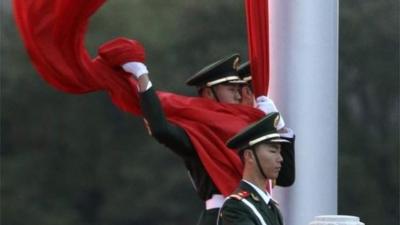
[240, 195]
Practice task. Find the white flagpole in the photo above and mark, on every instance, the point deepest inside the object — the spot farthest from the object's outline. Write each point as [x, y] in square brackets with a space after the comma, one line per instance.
[304, 86]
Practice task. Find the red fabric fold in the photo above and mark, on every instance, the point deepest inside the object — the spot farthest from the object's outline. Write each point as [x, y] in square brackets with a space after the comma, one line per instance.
[53, 33]
[122, 50]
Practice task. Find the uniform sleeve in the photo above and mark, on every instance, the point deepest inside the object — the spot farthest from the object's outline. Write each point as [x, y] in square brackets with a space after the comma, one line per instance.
[234, 212]
[172, 136]
[287, 174]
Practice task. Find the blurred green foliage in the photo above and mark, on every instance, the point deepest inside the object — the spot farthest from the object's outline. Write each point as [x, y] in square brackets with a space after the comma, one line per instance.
[69, 159]
[369, 111]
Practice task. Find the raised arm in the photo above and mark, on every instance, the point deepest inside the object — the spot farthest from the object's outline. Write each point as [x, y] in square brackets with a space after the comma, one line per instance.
[165, 132]
[130, 55]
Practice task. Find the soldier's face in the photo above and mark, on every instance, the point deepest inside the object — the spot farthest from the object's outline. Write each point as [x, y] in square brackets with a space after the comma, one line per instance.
[228, 93]
[247, 95]
[270, 158]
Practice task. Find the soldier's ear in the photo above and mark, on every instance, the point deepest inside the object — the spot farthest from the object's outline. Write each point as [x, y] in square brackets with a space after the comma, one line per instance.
[248, 155]
[206, 92]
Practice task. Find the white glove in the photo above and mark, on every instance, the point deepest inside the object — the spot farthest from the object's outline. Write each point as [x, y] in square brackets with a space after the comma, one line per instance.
[266, 105]
[136, 68]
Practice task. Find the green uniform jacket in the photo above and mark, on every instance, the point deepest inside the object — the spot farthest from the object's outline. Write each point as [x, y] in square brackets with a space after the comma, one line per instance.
[236, 209]
[176, 139]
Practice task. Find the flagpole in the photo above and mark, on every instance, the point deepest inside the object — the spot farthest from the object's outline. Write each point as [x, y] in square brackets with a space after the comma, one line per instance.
[304, 85]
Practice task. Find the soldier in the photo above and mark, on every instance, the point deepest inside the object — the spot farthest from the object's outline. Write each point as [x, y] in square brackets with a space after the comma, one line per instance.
[259, 147]
[218, 81]
[247, 90]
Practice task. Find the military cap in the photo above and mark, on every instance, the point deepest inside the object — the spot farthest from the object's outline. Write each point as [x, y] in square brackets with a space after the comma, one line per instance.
[263, 130]
[244, 71]
[221, 71]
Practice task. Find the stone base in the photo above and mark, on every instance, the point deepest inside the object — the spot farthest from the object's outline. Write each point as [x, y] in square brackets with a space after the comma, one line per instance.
[336, 220]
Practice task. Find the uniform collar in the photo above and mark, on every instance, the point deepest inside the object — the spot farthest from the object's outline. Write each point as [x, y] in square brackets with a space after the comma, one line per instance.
[264, 194]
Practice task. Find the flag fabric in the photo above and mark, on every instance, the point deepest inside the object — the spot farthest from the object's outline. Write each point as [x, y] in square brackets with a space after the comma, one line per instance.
[258, 48]
[258, 44]
[53, 33]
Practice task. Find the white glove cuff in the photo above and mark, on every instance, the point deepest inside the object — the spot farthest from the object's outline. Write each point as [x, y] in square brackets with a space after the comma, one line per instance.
[136, 68]
[149, 85]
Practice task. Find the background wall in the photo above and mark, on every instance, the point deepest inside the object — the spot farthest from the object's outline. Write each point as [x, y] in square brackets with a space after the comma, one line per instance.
[68, 159]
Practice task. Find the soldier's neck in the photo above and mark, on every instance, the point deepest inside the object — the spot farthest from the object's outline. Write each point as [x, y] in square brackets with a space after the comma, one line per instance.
[256, 179]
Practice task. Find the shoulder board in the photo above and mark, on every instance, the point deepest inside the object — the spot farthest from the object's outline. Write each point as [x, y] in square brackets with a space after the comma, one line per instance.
[235, 196]
[240, 195]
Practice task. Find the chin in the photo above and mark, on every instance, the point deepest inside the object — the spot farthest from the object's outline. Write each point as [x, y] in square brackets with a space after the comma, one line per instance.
[274, 176]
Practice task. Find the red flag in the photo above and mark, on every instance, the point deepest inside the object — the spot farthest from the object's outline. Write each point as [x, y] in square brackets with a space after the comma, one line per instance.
[258, 46]
[53, 33]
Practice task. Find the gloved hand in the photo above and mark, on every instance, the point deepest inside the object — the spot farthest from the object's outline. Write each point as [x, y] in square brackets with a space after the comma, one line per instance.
[136, 68]
[124, 52]
[266, 105]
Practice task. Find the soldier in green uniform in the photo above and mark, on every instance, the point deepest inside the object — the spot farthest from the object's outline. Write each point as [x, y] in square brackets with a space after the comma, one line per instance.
[259, 147]
[218, 81]
[247, 91]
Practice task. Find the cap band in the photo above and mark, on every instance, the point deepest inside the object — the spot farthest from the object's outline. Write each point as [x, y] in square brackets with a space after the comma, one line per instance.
[247, 78]
[237, 82]
[221, 80]
[263, 138]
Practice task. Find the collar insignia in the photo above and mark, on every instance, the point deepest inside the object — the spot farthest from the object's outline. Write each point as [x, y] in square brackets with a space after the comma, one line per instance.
[254, 197]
